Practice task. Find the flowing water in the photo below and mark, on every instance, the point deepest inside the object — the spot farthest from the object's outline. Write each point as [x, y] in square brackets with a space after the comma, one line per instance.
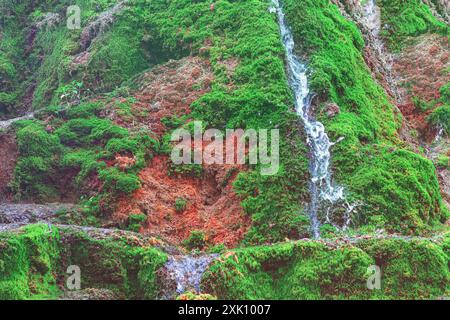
[323, 192]
[7, 123]
[371, 21]
[186, 273]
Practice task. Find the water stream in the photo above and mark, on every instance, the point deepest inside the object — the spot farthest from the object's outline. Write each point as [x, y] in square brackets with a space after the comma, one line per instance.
[324, 193]
[185, 271]
[5, 124]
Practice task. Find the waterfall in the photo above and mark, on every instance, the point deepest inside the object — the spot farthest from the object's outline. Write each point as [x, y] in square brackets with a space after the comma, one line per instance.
[371, 22]
[7, 123]
[186, 273]
[323, 192]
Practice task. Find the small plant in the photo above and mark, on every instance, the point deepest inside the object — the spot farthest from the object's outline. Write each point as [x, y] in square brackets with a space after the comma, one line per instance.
[328, 231]
[421, 105]
[443, 161]
[135, 221]
[440, 118]
[180, 204]
[70, 92]
[197, 240]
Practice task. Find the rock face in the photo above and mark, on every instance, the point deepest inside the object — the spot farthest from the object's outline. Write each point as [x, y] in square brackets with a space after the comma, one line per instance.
[419, 71]
[166, 91]
[211, 204]
[8, 158]
[15, 215]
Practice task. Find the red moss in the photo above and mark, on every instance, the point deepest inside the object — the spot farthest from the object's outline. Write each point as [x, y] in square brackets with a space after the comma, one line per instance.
[211, 207]
[8, 159]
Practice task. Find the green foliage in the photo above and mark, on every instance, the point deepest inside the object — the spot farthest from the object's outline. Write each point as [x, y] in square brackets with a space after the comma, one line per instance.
[115, 263]
[70, 92]
[119, 181]
[405, 18]
[410, 269]
[370, 161]
[135, 221]
[311, 270]
[81, 142]
[443, 161]
[180, 204]
[82, 132]
[28, 262]
[34, 258]
[196, 240]
[440, 118]
[39, 155]
[400, 185]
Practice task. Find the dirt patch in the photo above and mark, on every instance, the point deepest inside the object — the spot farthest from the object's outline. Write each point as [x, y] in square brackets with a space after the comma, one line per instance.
[164, 92]
[420, 73]
[211, 204]
[8, 159]
[167, 92]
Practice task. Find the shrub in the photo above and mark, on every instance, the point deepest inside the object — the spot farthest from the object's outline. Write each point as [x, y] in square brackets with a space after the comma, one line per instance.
[135, 221]
[196, 240]
[180, 204]
[440, 118]
[118, 181]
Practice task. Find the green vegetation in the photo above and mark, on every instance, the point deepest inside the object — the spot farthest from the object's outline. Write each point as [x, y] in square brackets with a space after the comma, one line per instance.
[84, 144]
[123, 265]
[406, 18]
[370, 162]
[180, 204]
[135, 221]
[311, 270]
[28, 263]
[33, 263]
[77, 140]
[440, 118]
[197, 240]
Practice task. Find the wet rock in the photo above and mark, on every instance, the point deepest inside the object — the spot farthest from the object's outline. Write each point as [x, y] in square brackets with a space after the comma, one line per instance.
[183, 274]
[332, 109]
[100, 25]
[8, 159]
[22, 214]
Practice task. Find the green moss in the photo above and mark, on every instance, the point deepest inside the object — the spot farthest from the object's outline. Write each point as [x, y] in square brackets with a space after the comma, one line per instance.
[370, 162]
[180, 204]
[410, 269]
[406, 18]
[311, 270]
[39, 154]
[34, 259]
[28, 263]
[196, 240]
[135, 221]
[78, 141]
[119, 264]
[440, 118]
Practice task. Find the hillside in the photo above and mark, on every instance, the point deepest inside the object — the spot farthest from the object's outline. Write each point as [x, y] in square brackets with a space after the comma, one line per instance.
[92, 93]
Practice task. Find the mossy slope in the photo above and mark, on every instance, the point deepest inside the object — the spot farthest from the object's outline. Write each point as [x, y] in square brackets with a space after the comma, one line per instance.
[371, 162]
[312, 270]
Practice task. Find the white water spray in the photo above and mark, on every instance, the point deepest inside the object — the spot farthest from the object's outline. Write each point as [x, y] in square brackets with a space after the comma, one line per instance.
[186, 272]
[323, 192]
